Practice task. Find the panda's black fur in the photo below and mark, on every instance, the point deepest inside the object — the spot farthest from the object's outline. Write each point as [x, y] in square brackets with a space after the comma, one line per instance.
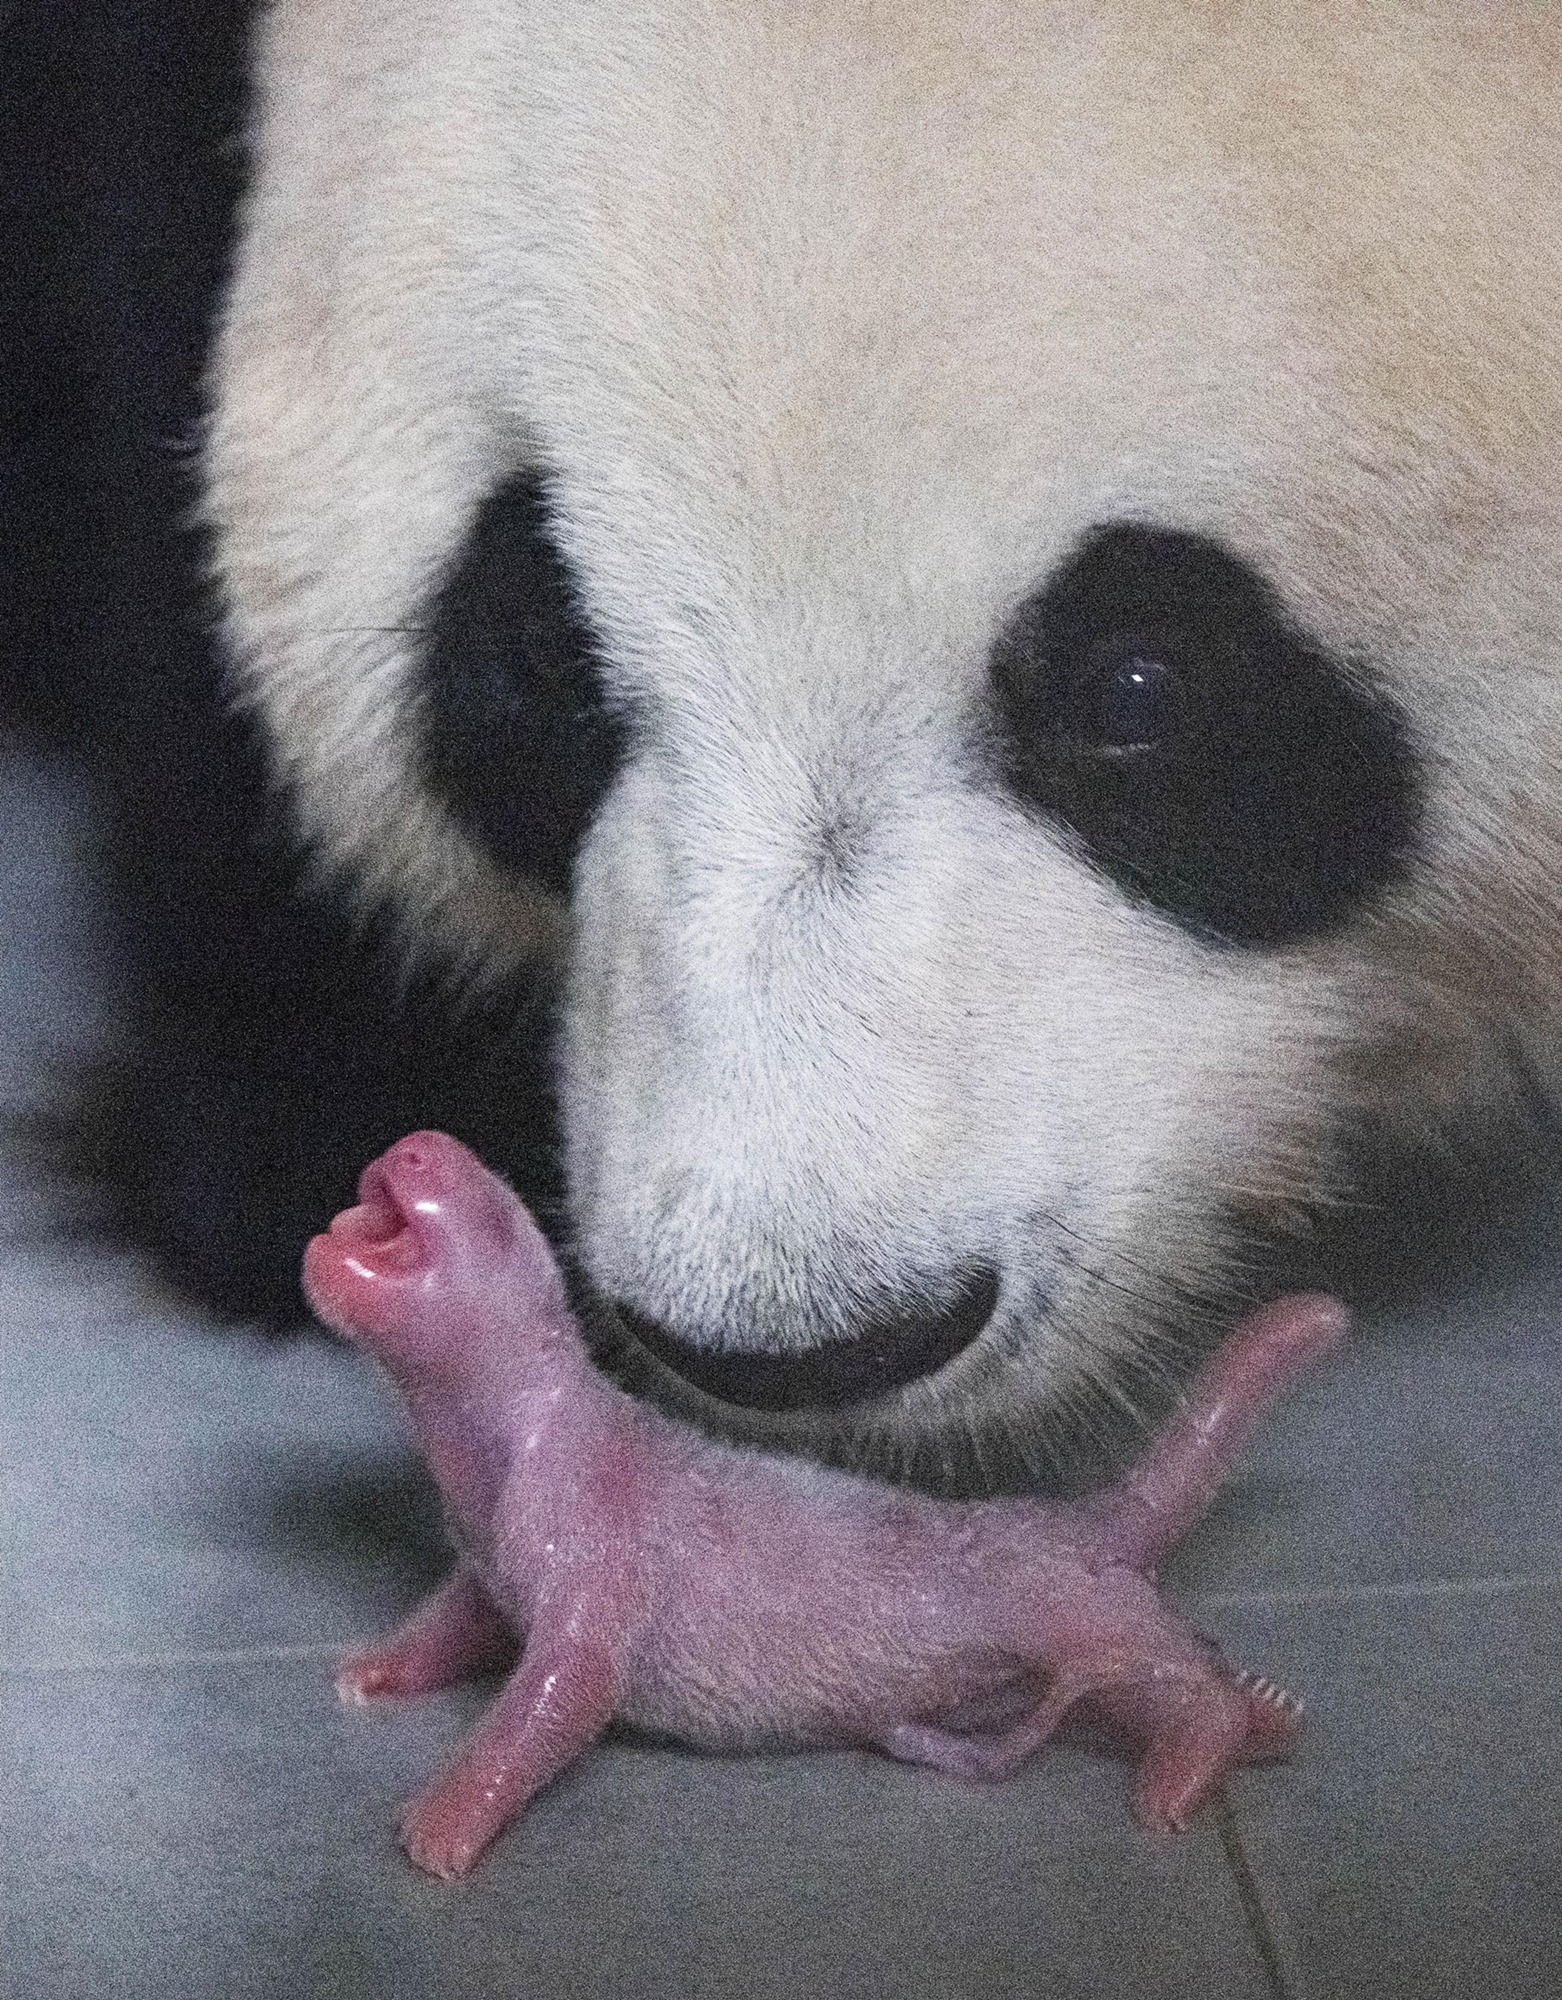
[272, 1041]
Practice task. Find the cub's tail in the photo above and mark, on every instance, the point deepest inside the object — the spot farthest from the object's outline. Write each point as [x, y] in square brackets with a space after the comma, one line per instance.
[1178, 1473]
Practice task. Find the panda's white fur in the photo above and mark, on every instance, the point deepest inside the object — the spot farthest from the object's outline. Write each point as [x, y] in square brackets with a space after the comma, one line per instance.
[833, 326]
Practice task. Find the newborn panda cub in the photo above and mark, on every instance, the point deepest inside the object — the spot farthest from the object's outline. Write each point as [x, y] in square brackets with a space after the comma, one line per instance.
[719, 1595]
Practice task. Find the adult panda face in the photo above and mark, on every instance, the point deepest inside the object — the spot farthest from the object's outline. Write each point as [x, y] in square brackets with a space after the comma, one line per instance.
[1020, 612]
[965, 1016]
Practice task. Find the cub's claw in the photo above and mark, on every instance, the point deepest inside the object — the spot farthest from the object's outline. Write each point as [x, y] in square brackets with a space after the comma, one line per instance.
[1259, 1689]
[439, 1842]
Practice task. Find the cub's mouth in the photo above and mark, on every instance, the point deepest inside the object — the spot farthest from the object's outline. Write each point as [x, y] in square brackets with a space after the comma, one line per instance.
[377, 1225]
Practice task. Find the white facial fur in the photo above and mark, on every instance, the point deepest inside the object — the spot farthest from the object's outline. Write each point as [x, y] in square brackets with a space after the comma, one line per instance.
[834, 328]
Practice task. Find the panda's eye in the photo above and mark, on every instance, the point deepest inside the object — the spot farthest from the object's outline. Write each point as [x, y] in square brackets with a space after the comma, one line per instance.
[516, 738]
[1135, 698]
[1155, 699]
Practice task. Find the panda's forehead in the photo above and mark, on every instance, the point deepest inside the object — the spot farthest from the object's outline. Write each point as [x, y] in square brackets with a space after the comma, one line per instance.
[834, 328]
[824, 286]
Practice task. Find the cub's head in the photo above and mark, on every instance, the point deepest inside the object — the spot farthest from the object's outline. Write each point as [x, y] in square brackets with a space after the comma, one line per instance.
[987, 581]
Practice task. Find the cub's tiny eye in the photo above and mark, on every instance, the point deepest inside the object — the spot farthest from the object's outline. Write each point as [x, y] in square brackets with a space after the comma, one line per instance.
[1136, 699]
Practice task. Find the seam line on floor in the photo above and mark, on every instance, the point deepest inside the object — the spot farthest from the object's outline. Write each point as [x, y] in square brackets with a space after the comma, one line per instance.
[1278, 1973]
[195, 1656]
[320, 1649]
[1367, 1593]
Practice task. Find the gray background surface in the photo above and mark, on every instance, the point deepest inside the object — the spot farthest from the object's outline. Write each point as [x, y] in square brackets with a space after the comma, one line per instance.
[195, 1522]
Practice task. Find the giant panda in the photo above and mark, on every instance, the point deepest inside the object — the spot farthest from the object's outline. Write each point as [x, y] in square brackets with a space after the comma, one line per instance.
[909, 657]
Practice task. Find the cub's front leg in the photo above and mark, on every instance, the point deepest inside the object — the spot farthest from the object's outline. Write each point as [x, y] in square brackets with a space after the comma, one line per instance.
[456, 1632]
[555, 1705]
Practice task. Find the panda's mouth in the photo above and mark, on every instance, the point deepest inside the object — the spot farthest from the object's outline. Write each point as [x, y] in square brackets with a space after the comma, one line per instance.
[889, 1354]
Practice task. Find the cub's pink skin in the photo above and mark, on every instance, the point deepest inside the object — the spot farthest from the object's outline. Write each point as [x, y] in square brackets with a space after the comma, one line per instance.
[713, 1593]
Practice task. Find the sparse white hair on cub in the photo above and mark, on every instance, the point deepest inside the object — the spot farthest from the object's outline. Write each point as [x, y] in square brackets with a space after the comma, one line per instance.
[833, 330]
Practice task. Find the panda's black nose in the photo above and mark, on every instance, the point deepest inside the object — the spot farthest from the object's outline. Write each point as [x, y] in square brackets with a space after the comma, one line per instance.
[890, 1350]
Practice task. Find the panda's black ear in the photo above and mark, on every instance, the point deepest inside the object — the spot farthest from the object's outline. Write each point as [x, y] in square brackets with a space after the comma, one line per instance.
[516, 739]
[1156, 698]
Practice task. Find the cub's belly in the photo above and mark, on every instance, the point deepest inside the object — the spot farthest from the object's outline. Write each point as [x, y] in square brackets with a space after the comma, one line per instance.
[739, 1673]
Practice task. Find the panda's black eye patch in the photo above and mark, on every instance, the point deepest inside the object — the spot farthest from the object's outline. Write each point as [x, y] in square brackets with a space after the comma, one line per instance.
[1156, 698]
[516, 738]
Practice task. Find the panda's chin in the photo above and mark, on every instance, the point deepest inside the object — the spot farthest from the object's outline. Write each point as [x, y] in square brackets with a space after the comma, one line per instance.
[833, 1429]
[888, 1353]
[950, 1431]
[1050, 1397]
